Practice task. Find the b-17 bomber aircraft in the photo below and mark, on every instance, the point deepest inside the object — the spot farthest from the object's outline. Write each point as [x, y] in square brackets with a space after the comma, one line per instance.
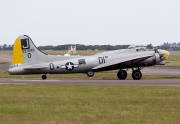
[27, 59]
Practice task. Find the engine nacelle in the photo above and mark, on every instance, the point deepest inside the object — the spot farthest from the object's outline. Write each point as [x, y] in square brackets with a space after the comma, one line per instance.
[150, 61]
[158, 59]
[163, 55]
[162, 63]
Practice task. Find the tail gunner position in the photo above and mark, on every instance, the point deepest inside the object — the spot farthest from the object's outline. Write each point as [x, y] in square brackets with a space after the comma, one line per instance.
[27, 59]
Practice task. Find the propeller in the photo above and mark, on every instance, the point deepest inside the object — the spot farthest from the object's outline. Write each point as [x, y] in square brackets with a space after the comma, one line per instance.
[163, 55]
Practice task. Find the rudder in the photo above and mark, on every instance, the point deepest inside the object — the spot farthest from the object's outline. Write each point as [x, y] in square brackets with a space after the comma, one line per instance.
[24, 51]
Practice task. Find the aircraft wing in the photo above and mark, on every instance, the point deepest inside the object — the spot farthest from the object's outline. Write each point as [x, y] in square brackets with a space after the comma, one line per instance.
[135, 59]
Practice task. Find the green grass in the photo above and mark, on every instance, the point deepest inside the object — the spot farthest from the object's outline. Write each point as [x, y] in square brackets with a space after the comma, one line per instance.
[87, 104]
[78, 52]
[4, 62]
[5, 51]
[61, 52]
[174, 59]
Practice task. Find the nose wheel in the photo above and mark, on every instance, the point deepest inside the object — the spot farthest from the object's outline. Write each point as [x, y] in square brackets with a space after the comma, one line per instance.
[44, 76]
[122, 74]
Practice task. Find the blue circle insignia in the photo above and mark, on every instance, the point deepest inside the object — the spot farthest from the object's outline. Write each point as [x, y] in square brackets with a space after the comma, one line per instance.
[69, 66]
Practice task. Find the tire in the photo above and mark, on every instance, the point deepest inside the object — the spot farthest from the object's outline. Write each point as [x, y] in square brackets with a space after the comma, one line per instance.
[44, 77]
[122, 74]
[90, 73]
[136, 75]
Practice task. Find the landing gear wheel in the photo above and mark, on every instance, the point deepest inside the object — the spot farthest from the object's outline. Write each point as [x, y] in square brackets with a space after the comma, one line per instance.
[90, 73]
[136, 75]
[122, 74]
[44, 76]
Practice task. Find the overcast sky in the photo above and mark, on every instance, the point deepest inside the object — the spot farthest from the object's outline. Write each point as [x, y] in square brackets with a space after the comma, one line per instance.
[114, 22]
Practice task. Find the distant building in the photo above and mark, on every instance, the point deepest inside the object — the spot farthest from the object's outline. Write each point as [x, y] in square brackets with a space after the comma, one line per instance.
[72, 49]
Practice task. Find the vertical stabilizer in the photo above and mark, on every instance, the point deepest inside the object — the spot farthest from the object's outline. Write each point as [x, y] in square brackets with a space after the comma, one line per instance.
[17, 53]
[25, 52]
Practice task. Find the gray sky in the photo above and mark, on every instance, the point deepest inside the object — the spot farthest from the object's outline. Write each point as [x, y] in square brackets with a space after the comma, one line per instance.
[114, 22]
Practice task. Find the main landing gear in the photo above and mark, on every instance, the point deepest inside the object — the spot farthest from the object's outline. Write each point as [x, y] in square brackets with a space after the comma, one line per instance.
[122, 74]
[136, 74]
[44, 76]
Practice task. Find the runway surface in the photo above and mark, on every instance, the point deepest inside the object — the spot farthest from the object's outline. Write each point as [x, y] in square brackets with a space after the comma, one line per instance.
[5, 58]
[4, 66]
[146, 82]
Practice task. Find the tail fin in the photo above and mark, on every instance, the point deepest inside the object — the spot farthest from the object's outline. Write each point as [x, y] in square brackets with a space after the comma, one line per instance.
[24, 51]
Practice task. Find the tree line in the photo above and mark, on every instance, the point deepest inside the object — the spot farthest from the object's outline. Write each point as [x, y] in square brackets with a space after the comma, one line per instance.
[87, 47]
[6, 47]
[83, 47]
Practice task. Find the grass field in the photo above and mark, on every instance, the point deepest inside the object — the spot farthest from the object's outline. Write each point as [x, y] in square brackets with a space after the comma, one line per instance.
[61, 52]
[78, 52]
[87, 104]
[5, 51]
[174, 59]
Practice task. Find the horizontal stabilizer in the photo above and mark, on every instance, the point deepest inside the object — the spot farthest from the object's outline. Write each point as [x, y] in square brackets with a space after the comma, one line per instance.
[35, 67]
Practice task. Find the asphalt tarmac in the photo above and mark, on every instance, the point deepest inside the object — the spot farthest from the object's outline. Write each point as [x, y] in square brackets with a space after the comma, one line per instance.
[143, 82]
[5, 58]
[4, 66]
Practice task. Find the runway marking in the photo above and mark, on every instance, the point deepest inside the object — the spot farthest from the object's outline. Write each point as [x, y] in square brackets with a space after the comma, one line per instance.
[13, 83]
[146, 82]
[5, 58]
[37, 80]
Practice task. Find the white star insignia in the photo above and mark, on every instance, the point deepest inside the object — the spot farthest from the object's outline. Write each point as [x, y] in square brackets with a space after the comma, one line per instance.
[70, 67]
